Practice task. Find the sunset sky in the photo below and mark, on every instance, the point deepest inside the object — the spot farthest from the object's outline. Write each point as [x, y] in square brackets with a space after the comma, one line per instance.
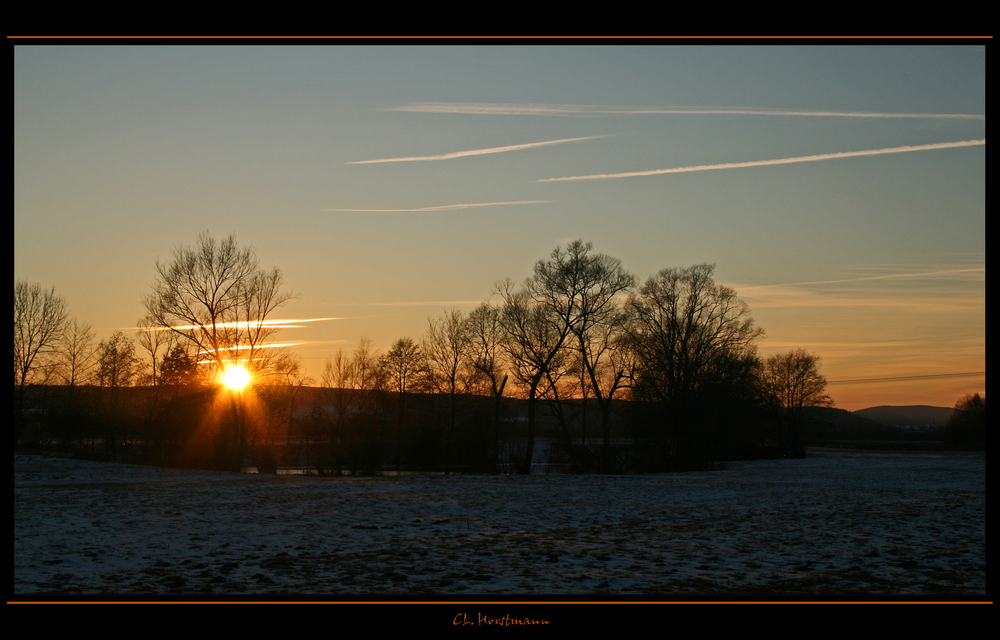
[841, 190]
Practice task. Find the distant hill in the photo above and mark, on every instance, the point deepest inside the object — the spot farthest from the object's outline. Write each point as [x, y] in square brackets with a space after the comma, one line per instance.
[890, 428]
[918, 415]
[840, 419]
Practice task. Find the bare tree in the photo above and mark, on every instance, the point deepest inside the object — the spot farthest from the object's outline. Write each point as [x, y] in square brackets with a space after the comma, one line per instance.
[485, 339]
[117, 364]
[117, 368]
[572, 302]
[77, 359]
[586, 290]
[793, 383]
[151, 338]
[351, 411]
[338, 398]
[449, 367]
[683, 321]
[276, 406]
[686, 329]
[40, 319]
[534, 342]
[367, 438]
[368, 374]
[402, 363]
[485, 333]
[215, 296]
[77, 353]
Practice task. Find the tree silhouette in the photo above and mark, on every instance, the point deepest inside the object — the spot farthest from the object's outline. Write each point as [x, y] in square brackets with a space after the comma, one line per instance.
[76, 364]
[486, 352]
[151, 338]
[117, 368]
[685, 328]
[117, 364]
[534, 339]
[403, 363]
[588, 289]
[40, 319]
[178, 367]
[792, 384]
[215, 296]
[338, 398]
[449, 367]
[967, 427]
[77, 353]
[352, 410]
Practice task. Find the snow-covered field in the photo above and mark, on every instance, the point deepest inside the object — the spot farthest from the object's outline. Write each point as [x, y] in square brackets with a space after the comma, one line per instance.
[833, 523]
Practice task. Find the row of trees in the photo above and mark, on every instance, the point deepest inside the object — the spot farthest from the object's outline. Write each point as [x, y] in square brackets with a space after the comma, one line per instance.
[53, 348]
[572, 341]
[207, 310]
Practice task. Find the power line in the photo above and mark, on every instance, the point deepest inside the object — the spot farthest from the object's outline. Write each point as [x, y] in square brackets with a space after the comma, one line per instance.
[930, 376]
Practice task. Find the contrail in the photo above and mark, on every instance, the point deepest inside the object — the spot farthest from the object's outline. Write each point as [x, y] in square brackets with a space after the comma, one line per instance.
[245, 324]
[419, 303]
[762, 163]
[480, 108]
[446, 207]
[475, 152]
[259, 346]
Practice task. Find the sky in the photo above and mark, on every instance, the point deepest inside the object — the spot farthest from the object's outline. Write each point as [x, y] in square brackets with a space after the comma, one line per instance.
[840, 189]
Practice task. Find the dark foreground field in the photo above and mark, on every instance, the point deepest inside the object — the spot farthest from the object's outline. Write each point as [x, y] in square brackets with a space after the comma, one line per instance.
[834, 524]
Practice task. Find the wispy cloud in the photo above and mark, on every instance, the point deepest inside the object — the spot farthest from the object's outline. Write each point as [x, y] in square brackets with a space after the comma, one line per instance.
[890, 276]
[485, 108]
[277, 324]
[411, 303]
[255, 348]
[854, 302]
[446, 207]
[476, 152]
[922, 292]
[762, 163]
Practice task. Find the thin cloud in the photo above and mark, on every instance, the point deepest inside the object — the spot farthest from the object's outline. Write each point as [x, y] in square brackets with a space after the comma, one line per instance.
[412, 303]
[446, 207]
[928, 303]
[844, 305]
[773, 345]
[762, 163]
[281, 324]
[475, 152]
[890, 276]
[259, 346]
[926, 291]
[492, 109]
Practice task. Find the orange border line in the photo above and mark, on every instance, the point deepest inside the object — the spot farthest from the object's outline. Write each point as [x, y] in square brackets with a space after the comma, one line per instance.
[504, 602]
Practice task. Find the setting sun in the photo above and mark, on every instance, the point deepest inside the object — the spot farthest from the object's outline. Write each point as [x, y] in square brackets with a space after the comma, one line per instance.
[235, 377]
